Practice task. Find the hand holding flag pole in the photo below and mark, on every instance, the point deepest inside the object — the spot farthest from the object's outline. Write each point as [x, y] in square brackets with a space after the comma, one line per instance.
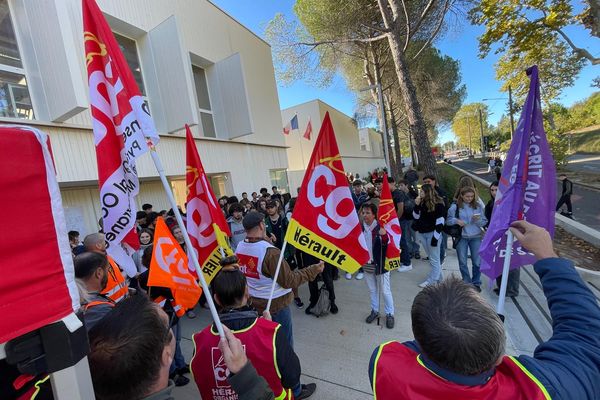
[276, 275]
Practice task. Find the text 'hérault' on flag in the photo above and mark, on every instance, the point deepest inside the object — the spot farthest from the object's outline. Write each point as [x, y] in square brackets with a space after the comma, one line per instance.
[205, 222]
[324, 222]
[527, 188]
[123, 131]
[169, 268]
[388, 219]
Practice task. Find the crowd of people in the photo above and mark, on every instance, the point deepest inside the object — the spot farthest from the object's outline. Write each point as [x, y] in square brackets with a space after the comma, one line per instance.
[459, 339]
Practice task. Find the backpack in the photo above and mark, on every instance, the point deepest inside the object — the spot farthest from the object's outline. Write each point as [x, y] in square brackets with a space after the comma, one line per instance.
[323, 304]
[409, 206]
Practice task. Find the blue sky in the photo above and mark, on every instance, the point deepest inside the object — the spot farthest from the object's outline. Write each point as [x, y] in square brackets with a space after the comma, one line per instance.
[460, 43]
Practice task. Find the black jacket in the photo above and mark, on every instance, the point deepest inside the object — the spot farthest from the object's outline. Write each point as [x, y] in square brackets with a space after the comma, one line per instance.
[380, 244]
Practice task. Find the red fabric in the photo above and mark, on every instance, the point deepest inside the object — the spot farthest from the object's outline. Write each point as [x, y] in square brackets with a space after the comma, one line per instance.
[398, 375]
[324, 222]
[388, 219]
[33, 288]
[210, 371]
[308, 130]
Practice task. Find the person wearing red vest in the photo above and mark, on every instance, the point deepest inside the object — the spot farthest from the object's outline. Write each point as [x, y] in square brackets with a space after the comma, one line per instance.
[116, 287]
[266, 346]
[458, 352]
[92, 270]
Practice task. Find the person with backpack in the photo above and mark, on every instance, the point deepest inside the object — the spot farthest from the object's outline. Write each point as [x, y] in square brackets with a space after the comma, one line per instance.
[327, 275]
[471, 218]
[404, 207]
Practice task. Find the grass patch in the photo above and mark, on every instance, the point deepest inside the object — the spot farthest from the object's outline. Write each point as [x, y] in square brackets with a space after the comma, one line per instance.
[586, 142]
[449, 177]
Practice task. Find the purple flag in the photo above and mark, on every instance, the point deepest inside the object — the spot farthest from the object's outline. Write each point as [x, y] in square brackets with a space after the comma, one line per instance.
[527, 189]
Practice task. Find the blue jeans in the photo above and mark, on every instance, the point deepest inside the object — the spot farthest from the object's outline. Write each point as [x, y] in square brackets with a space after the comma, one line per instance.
[284, 318]
[443, 246]
[406, 242]
[433, 252]
[178, 360]
[462, 248]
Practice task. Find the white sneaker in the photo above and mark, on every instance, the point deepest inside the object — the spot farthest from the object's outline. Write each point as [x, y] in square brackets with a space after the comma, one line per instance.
[359, 276]
[348, 275]
[405, 268]
[424, 284]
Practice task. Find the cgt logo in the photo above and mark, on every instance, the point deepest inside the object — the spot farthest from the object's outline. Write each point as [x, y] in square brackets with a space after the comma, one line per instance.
[220, 369]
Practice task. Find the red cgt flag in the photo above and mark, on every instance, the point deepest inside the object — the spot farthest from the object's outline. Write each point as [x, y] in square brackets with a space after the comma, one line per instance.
[123, 131]
[206, 223]
[388, 219]
[324, 222]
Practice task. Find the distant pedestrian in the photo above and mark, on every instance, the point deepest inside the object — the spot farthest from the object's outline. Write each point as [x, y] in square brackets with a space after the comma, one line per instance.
[567, 191]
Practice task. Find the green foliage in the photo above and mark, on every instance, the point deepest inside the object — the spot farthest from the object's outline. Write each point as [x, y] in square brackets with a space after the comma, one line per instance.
[559, 146]
[449, 177]
[585, 142]
[466, 125]
[528, 32]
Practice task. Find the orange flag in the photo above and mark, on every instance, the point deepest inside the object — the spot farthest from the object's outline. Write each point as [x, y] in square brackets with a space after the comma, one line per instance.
[206, 223]
[324, 222]
[388, 219]
[169, 268]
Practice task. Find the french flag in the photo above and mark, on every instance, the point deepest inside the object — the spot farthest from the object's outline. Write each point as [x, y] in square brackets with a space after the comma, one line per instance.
[293, 124]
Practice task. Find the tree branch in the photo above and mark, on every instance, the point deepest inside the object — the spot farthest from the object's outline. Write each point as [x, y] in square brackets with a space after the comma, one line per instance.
[376, 28]
[424, 15]
[338, 41]
[436, 32]
[577, 50]
[408, 32]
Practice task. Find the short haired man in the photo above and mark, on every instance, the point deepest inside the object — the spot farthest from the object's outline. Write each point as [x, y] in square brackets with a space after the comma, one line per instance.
[565, 197]
[460, 341]
[266, 346]
[147, 208]
[245, 199]
[73, 239]
[116, 288]
[378, 280]
[358, 194]
[140, 220]
[92, 271]
[258, 260]
[238, 233]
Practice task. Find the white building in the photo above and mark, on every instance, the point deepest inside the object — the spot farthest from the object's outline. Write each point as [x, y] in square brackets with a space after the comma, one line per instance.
[361, 149]
[193, 62]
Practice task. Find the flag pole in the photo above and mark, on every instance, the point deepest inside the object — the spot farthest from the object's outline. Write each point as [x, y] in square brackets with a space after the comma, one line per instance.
[191, 253]
[276, 275]
[505, 271]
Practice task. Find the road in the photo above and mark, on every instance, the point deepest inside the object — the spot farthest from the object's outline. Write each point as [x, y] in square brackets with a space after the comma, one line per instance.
[584, 162]
[585, 201]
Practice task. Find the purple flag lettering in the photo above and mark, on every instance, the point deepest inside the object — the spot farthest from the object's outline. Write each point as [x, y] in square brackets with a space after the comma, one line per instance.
[527, 189]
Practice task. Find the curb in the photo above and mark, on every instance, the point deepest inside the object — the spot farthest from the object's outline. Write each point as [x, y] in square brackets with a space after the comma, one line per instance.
[575, 228]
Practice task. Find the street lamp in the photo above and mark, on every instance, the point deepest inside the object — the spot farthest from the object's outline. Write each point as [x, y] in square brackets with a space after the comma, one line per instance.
[510, 110]
[383, 121]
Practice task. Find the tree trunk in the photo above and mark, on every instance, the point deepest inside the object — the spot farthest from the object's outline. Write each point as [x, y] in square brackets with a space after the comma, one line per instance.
[397, 170]
[417, 126]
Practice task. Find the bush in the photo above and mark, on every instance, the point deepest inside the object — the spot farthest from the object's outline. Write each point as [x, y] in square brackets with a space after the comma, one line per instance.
[449, 177]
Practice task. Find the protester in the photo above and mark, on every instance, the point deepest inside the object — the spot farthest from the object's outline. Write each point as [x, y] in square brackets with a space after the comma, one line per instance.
[313, 286]
[378, 279]
[91, 269]
[491, 163]
[471, 218]
[262, 206]
[565, 198]
[238, 233]
[358, 195]
[429, 214]
[151, 220]
[411, 176]
[164, 297]
[372, 194]
[276, 195]
[464, 181]
[146, 237]
[458, 352]
[514, 276]
[131, 350]
[265, 344]
[431, 180]
[255, 199]
[140, 220]
[73, 239]
[258, 260]
[116, 287]
[244, 199]
[147, 208]
[404, 207]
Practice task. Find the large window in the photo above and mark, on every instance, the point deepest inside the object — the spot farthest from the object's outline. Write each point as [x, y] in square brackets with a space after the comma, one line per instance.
[279, 178]
[129, 49]
[15, 101]
[206, 115]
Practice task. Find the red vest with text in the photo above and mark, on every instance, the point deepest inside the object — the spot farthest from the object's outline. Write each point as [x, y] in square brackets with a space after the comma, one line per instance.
[210, 371]
[399, 374]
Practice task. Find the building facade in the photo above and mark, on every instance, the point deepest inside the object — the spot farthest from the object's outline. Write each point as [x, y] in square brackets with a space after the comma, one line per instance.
[361, 149]
[194, 64]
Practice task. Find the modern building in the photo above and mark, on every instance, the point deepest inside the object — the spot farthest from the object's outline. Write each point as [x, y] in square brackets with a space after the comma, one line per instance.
[361, 149]
[194, 63]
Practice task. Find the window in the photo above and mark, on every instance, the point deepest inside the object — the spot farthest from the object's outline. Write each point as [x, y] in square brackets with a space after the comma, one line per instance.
[206, 115]
[129, 49]
[279, 178]
[15, 101]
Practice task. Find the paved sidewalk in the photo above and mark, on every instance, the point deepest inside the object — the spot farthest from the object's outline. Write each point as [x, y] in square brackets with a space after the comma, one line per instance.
[335, 350]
